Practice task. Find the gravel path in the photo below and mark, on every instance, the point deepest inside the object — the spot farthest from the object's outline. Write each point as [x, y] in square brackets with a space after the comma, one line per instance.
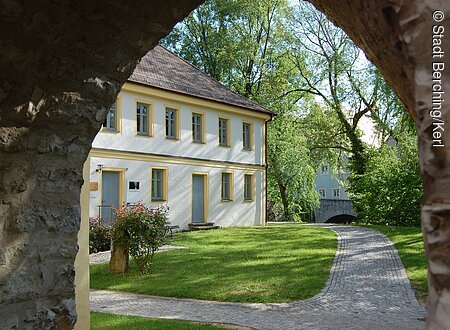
[367, 289]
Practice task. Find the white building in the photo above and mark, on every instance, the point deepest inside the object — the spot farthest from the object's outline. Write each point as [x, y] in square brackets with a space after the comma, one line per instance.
[178, 137]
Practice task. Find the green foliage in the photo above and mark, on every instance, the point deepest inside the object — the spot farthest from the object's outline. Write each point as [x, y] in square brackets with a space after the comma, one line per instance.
[104, 321]
[390, 191]
[140, 230]
[247, 264]
[99, 236]
[291, 173]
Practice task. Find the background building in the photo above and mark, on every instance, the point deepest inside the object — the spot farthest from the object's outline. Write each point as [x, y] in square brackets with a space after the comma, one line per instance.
[335, 206]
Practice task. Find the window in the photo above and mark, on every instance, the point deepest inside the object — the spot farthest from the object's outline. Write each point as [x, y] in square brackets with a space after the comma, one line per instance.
[223, 132]
[142, 118]
[336, 192]
[324, 169]
[247, 136]
[110, 123]
[322, 193]
[248, 187]
[133, 185]
[159, 184]
[197, 128]
[171, 123]
[227, 186]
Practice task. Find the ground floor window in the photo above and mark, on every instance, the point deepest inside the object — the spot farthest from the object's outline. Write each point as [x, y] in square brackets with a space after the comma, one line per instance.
[227, 186]
[248, 187]
[159, 184]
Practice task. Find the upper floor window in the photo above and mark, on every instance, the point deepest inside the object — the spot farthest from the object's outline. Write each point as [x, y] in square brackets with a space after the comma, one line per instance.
[322, 193]
[110, 123]
[227, 186]
[171, 123]
[143, 118]
[197, 128]
[159, 184]
[324, 169]
[247, 136]
[336, 192]
[248, 187]
[224, 131]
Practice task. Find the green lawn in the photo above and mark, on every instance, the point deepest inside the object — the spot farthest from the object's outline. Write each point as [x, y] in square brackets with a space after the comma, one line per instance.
[246, 264]
[103, 321]
[409, 244]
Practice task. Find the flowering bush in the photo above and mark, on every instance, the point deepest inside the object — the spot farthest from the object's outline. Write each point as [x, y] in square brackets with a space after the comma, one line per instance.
[99, 236]
[140, 230]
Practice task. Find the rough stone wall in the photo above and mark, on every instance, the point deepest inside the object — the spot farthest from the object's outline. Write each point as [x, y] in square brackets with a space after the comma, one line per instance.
[397, 36]
[62, 64]
[333, 207]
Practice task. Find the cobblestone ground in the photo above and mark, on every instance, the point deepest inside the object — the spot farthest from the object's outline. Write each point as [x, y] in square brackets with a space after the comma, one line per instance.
[367, 289]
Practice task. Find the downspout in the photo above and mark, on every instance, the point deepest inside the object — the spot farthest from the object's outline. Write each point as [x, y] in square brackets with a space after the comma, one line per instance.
[266, 166]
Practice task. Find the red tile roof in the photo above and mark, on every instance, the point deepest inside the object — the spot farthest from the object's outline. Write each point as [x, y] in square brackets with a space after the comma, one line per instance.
[162, 69]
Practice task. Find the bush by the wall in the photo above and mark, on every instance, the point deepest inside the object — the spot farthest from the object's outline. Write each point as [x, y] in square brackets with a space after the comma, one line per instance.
[141, 231]
[99, 236]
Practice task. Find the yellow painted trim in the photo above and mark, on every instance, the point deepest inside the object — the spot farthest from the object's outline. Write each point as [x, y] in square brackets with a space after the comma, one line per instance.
[118, 118]
[150, 117]
[231, 187]
[252, 138]
[165, 184]
[228, 119]
[177, 123]
[264, 198]
[82, 258]
[121, 183]
[249, 201]
[205, 194]
[203, 114]
[115, 154]
[190, 100]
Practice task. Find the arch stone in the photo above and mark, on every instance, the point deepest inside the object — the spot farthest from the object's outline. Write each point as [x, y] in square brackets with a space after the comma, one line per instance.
[63, 68]
[62, 64]
[333, 207]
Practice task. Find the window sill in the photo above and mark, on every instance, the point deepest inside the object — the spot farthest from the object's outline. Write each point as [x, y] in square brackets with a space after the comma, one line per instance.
[247, 149]
[198, 142]
[158, 201]
[226, 200]
[224, 146]
[173, 139]
[147, 136]
[109, 131]
[248, 201]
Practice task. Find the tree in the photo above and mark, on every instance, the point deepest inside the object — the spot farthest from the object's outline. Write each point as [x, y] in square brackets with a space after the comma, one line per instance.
[390, 191]
[331, 68]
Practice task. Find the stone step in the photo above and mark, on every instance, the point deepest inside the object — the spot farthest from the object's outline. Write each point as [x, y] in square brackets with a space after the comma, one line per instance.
[202, 226]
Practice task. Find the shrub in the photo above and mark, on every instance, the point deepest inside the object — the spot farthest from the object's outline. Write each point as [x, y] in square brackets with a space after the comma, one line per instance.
[390, 191]
[140, 230]
[99, 236]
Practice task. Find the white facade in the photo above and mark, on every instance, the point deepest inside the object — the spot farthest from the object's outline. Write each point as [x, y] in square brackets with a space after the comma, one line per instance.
[131, 157]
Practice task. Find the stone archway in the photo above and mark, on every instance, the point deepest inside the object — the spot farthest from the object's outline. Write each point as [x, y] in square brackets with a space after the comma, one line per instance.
[63, 67]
